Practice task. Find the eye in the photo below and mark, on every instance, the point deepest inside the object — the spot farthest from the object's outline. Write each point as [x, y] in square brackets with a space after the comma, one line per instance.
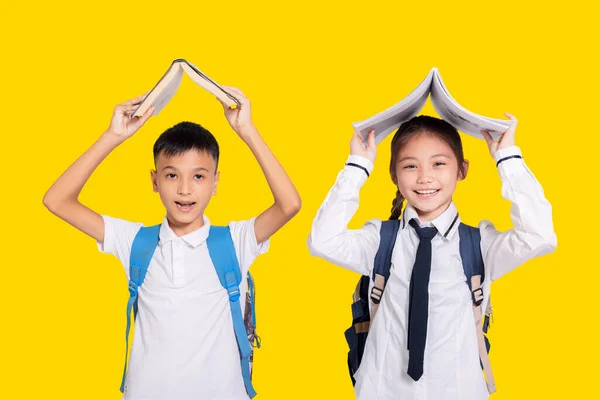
[198, 176]
[171, 176]
[439, 164]
[410, 166]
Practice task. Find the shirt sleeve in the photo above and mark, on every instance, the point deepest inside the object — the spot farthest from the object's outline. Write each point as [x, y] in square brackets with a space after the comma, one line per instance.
[118, 238]
[531, 214]
[246, 246]
[330, 238]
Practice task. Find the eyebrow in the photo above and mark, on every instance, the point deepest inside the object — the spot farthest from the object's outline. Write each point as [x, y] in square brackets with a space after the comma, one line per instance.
[433, 156]
[195, 169]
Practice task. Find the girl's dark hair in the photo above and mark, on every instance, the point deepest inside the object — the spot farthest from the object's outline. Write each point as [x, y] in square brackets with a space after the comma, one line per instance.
[183, 137]
[423, 124]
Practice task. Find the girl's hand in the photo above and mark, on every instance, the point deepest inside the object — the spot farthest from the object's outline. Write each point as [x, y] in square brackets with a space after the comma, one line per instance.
[507, 139]
[359, 148]
[122, 125]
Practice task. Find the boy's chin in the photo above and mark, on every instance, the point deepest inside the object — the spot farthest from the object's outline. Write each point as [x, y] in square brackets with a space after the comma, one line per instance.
[184, 218]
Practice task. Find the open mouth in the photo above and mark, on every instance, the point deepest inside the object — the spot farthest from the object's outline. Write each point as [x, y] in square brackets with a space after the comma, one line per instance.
[185, 206]
[426, 194]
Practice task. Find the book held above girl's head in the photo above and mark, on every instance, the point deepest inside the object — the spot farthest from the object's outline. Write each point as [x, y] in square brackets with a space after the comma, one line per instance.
[448, 109]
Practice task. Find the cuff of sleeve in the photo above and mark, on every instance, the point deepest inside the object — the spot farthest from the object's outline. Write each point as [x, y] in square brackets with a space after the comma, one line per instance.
[509, 161]
[106, 246]
[262, 247]
[358, 167]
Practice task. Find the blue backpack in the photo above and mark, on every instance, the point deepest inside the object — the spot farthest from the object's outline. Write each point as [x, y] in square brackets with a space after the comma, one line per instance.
[362, 314]
[222, 253]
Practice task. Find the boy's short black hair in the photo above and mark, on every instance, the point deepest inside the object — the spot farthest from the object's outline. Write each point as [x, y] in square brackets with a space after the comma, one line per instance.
[183, 137]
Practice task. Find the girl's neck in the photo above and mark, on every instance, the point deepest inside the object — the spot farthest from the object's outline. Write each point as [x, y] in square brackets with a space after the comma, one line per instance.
[428, 216]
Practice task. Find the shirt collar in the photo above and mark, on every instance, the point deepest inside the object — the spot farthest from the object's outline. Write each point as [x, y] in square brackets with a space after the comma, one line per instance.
[446, 224]
[194, 238]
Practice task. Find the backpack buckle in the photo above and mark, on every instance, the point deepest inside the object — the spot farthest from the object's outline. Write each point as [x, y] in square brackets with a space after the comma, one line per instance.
[477, 296]
[133, 288]
[376, 296]
[234, 293]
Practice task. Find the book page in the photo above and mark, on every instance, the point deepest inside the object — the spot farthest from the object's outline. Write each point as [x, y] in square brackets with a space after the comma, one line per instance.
[461, 118]
[390, 119]
[164, 90]
[209, 85]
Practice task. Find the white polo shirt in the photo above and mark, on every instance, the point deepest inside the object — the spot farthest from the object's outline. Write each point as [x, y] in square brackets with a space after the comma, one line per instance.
[184, 345]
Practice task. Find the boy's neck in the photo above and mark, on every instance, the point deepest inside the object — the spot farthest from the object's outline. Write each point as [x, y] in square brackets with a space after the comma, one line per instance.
[182, 229]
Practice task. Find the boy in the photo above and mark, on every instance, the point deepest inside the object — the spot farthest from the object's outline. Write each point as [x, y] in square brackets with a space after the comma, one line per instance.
[184, 344]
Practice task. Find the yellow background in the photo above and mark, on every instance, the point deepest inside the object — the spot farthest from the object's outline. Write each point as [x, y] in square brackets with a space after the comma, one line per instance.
[310, 68]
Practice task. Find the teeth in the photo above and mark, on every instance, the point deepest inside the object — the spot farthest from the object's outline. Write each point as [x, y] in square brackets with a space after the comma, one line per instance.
[426, 191]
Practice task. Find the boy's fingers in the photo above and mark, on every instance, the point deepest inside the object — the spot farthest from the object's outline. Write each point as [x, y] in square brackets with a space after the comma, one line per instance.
[233, 89]
[225, 106]
[237, 93]
[129, 107]
[136, 100]
[143, 118]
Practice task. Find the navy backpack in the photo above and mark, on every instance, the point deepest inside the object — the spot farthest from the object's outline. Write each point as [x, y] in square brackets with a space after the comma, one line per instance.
[363, 313]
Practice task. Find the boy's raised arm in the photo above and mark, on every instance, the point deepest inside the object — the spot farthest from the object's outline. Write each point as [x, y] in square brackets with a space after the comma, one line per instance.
[62, 199]
[287, 201]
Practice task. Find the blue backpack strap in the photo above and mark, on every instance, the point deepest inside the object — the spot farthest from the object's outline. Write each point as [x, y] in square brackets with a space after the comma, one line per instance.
[222, 253]
[142, 249]
[383, 258]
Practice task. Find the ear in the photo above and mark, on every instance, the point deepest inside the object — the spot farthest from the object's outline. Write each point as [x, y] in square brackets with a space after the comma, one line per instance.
[466, 169]
[153, 178]
[393, 176]
[214, 191]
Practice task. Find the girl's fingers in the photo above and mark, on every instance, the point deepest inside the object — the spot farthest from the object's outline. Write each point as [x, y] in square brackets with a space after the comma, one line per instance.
[371, 139]
[513, 127]
[487, 136]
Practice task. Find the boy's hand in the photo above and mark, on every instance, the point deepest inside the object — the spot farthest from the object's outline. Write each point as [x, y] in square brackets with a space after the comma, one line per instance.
[122, 125]
[507, 139]
[239, 118]
[359, 148]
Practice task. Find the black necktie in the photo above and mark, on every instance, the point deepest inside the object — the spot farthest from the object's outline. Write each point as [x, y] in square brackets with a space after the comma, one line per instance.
[419, 301]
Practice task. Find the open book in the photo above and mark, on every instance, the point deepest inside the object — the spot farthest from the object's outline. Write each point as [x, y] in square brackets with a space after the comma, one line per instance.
[448, 109]
[166, 87]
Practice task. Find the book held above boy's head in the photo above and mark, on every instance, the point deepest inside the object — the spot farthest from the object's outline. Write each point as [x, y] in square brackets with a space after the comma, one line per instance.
[166, 87]
[448, 109]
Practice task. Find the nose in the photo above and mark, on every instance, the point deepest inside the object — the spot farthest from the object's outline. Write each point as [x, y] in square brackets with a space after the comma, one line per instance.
[424, 176]
[183, 189]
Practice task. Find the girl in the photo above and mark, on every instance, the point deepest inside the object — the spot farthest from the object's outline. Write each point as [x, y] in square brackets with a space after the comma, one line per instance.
[426, 164]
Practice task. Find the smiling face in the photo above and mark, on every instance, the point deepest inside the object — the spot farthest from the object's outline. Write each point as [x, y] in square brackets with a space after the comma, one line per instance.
[185, 183]
[426, 171]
